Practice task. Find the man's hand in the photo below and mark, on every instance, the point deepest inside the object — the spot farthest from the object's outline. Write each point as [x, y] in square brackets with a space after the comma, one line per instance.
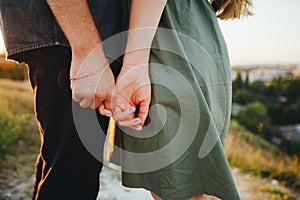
[95, 90]
[93, 82]
[88, 57]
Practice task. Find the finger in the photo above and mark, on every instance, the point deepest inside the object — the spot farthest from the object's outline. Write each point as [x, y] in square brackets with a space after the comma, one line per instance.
[120, 103]
[96, 104]
[85, 102]
[98, 101]
[120, 115]
[143, 111]
[72, 84]
[132, 123]
[76, 97]
[108, 103]
[104, 111]
[93, 105]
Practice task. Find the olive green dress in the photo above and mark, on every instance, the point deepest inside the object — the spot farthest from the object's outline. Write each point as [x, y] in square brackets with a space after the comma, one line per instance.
[180, 152]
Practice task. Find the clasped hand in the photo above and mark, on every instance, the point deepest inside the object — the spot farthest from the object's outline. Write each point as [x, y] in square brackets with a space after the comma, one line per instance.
[118, 99]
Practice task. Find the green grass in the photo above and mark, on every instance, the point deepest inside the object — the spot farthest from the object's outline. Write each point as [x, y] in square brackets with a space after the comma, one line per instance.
[276, 194]
[19, 138]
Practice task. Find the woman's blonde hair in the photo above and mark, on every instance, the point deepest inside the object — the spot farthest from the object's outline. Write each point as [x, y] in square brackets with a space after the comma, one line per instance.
[230, 9]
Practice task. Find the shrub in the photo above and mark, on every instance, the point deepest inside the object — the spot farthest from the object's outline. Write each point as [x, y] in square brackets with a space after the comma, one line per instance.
[18, 72]
[258, 87]
[243, 96]
[255, 117]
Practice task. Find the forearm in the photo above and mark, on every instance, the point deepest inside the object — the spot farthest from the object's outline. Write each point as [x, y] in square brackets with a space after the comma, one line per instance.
[144, 19]
[77, 23]
[133, 86]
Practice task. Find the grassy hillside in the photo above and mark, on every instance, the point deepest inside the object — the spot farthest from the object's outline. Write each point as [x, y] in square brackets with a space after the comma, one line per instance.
[19, 138]
[253, 154]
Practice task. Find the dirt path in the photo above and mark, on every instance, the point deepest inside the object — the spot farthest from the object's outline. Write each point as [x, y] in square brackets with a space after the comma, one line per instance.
[111, 188]
[12, 189]
[253, 188]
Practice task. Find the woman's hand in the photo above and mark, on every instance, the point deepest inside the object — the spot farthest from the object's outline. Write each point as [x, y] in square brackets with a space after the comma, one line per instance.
[96, 89]
[133, 88]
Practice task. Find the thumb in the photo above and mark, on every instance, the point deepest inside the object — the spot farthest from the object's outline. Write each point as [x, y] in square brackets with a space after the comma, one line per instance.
[143, 111]
[104, 111]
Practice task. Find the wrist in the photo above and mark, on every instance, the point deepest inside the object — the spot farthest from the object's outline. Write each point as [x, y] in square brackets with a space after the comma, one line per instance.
[136, 58]
[84, 49]
[88, 72]
[88, 61]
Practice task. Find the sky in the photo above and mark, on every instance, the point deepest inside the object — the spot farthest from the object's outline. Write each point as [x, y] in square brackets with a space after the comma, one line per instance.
[270, 36]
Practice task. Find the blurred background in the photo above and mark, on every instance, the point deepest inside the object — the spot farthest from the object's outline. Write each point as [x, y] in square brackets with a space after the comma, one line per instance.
[263, 145]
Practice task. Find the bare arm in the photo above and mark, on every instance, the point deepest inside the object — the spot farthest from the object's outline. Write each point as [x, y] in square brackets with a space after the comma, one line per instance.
[144, 18]
[133, 84]
[145, 13]
[77, 23]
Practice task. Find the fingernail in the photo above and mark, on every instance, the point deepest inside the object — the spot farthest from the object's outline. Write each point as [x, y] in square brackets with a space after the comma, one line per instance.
[131, 110]
[108, 115]
[137, 122]
[138, 128]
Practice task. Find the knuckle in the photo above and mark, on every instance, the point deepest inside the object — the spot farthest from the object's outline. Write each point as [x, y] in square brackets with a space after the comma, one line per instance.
[122, 123]
[116, 117]
[92, 107]
[89, 96]
[75, 95]
[83, 105]
[99, 96]
[97, 105]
